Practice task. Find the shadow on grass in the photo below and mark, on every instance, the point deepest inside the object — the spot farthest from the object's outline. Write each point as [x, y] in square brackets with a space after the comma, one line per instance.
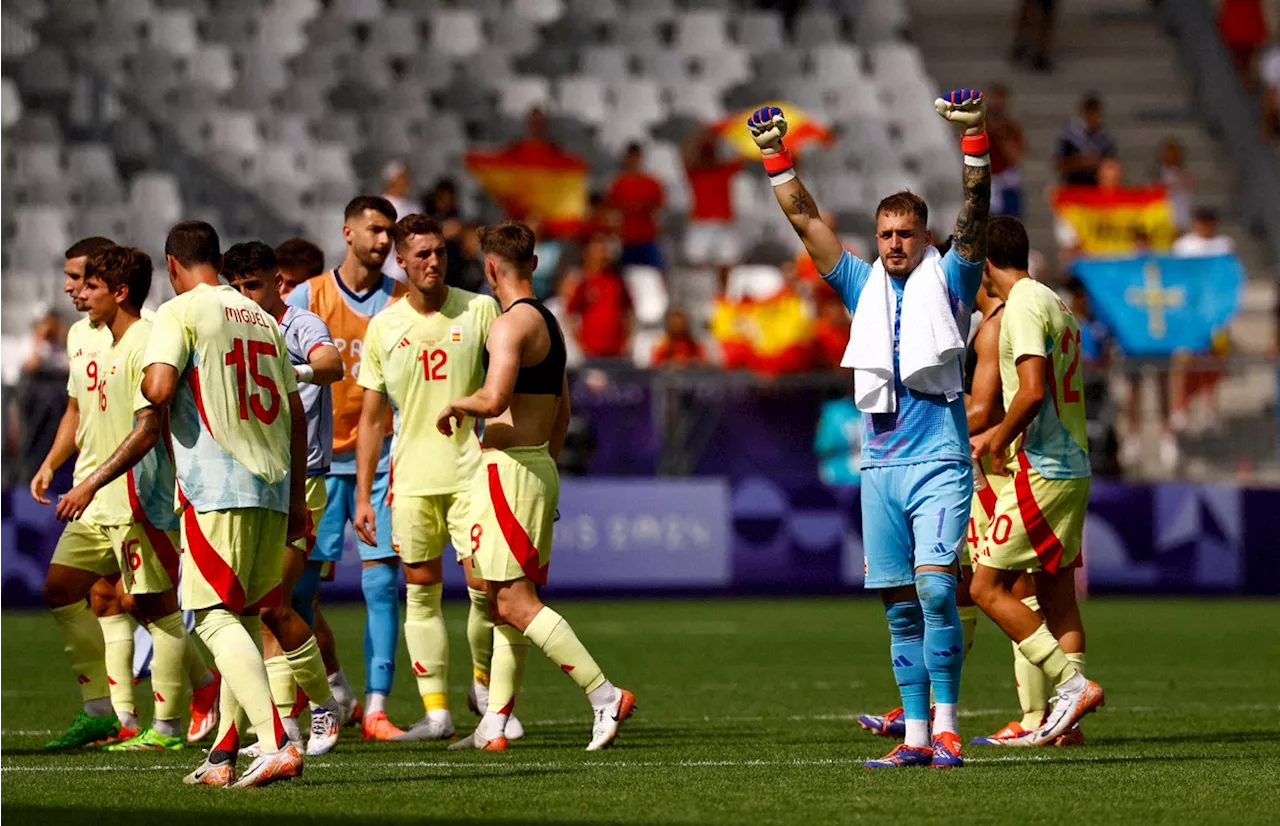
[61, 815]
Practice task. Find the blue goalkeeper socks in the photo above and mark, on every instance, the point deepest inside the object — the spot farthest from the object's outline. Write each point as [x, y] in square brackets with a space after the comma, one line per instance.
[382, 628]
[906, 647]
[943, 634]
[304, 594]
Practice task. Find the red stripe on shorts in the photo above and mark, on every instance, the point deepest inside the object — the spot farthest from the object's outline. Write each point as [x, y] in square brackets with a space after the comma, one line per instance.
[986, 496]
[213, 567]
[517, 538]
[1046, 543]
[165, 552]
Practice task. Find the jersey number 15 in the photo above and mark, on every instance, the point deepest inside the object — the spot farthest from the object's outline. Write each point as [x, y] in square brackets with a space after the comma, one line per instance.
[245, 360]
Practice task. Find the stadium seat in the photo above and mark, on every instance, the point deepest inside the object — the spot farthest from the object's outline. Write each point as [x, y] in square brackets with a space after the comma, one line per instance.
[816, 27]
[723, 68]
[705, 30]
[10, 103]
[540, 11]
[643, 342]
[609, 63]
[648, 294]
[697, 99]
[173, 30]
[38, 162]
[44, 72]
[128, 11]
[520, 94]
[158, 194]
[512, 35]
[668, 69]
[357, 11]
[41, 235]
[457, 32]
[880, 20]
[398, 34]
[210, 67]
[760, 31]
[582, 97]
[639, 102]
[592, 9]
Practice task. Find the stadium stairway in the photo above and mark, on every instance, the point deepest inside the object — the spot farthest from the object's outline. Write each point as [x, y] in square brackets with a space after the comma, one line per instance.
[1118, 49]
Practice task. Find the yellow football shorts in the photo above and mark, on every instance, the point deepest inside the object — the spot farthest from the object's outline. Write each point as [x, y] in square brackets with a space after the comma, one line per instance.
[147, 557]
[1038, 523]
[513, 509]
[234, 558]
[317, 501]
[422, 525]
[986, 490]
[86, 546]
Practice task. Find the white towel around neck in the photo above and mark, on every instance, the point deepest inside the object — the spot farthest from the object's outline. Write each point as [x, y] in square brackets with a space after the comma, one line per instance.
[930, 344]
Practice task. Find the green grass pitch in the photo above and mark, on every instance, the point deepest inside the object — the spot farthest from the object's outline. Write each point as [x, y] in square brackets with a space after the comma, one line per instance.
[745, 715]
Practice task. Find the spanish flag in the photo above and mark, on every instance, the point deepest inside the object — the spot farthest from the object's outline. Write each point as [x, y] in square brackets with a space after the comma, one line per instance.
[1116, 222]
[772, 335]
[530, 178]
[802, 129]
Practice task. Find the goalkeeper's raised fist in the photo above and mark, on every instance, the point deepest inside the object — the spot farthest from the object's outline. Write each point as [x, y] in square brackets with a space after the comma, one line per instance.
[768, 126]
[965, 107]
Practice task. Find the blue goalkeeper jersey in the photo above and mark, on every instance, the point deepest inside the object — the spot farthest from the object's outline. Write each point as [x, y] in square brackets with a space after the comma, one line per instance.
[924, 428]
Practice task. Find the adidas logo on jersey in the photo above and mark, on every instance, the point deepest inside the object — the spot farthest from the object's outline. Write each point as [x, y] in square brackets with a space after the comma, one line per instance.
[404, 342]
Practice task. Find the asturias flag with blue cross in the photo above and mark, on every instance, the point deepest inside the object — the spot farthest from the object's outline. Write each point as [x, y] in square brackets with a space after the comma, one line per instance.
[1158, 304]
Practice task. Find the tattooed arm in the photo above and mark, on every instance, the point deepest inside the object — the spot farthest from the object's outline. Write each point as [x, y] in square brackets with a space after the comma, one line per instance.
[970, 240]
[819, 239]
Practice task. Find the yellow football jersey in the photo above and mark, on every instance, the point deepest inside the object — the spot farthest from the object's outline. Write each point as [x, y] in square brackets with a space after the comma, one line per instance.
[422, 363]
[230, 418]
[86, 346]
[1037, 323]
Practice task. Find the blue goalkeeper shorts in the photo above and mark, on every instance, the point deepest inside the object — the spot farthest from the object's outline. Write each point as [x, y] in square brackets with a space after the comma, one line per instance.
[913, 515]
[332, 531]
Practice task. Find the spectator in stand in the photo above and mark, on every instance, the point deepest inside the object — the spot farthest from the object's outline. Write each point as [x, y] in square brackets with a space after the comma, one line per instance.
[536, 145]
[1195, 375]
[838, 440]
[1243, 26]
[467, 271]
[1033, 34]
[1096, 345]
[710, 239]
[41, 395]
[1174, 176]
[830, 334]
[1007, 149]
[442, 204]
[1204, 239]
[598, 304]
[549, 252]
[298, 260]
[677, 347]
[397, 183]
[638, 198]
[1083, 145]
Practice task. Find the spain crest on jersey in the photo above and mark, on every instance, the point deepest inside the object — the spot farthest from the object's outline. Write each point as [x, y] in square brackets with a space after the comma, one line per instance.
[455, 334]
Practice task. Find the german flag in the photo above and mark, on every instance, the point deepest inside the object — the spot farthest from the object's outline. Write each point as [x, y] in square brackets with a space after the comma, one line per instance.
[1116, 222]
[802, 129]
[548, 183]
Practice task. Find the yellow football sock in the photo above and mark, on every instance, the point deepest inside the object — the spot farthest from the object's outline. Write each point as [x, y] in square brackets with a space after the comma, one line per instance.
[510, 649]
[1032, 685]
[197, 667]
[82, 638]
[169, 666]
[284, 689]
[1077, 660]
[1042, 650]
[307, 666]
[427, 639]
[556, 639]
[117, 638]
[231, 641]
[1033, 689]
[480, 635]
[968, 624]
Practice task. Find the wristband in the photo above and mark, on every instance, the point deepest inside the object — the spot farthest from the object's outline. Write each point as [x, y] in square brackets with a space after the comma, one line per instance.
[782, 177]
[779, 162]
[977, 160]
[304, 372]
[978, 144]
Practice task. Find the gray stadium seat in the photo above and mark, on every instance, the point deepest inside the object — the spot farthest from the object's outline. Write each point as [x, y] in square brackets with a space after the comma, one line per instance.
[816, 27]
[357, 11]
[517, 95]
[10, 103]
[397, 34]
[705, 30]
[607, 62]
[759, 30]
[541, 11]
[173, 30]
[457, 32]
[582, 97]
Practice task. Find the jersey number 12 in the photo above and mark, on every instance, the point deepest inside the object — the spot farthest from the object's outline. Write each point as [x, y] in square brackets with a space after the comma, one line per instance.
[433, 362]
